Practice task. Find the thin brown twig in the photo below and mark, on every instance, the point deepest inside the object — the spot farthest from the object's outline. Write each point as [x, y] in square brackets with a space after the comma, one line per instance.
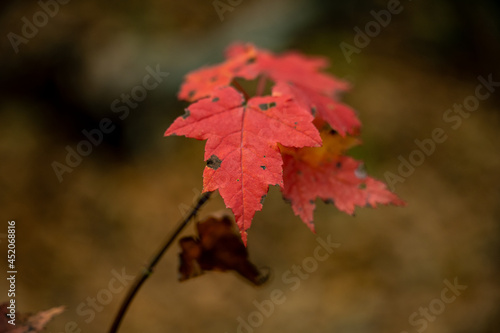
[139, 281]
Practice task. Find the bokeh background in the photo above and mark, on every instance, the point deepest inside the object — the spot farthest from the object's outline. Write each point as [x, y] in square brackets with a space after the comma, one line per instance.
[115, 208]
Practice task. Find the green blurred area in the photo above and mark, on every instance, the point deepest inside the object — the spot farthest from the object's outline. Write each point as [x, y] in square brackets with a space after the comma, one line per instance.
[114, 209]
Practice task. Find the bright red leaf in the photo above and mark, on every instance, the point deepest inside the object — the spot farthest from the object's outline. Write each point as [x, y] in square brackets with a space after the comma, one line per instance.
[299, 76]
[288, 67]
[292, 73]
[242, 152]
[202, 82]
[338, 115]
[324, 173]
[244, 138]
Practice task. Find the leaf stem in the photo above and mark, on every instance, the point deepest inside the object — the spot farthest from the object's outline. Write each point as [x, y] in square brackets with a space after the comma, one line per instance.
[139, 281]
[240, 88]
[261, 85]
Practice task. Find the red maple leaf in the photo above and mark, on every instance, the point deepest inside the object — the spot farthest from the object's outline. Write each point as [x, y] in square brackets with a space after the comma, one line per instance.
[325, 173]
[202, 82]
[288, 67]
[242, 153]
[338, 115]
[292, 73]
[299, 76]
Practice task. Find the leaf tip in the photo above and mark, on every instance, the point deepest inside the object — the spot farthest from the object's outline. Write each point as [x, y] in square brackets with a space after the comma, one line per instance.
[244, 237]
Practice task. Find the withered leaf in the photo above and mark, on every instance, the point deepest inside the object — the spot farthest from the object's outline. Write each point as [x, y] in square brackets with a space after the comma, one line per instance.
[218, 247]
[25, 323]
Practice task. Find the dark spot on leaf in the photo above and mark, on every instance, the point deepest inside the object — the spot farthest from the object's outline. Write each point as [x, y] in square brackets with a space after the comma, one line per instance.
[262, 199]
[264, 156]
[313, 111]
[215, 99]
[263, 107]
[311, 202]
[333, 132]
[362, 186]
[214, 162]
[299, 172]
[186, 114]
[296, 123]
[263, 167]
[251, 60]
[328, 201]
[191, 93]
[338, 165]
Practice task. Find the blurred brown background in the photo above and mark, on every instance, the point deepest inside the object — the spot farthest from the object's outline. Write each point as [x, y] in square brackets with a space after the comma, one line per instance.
[115, 208]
